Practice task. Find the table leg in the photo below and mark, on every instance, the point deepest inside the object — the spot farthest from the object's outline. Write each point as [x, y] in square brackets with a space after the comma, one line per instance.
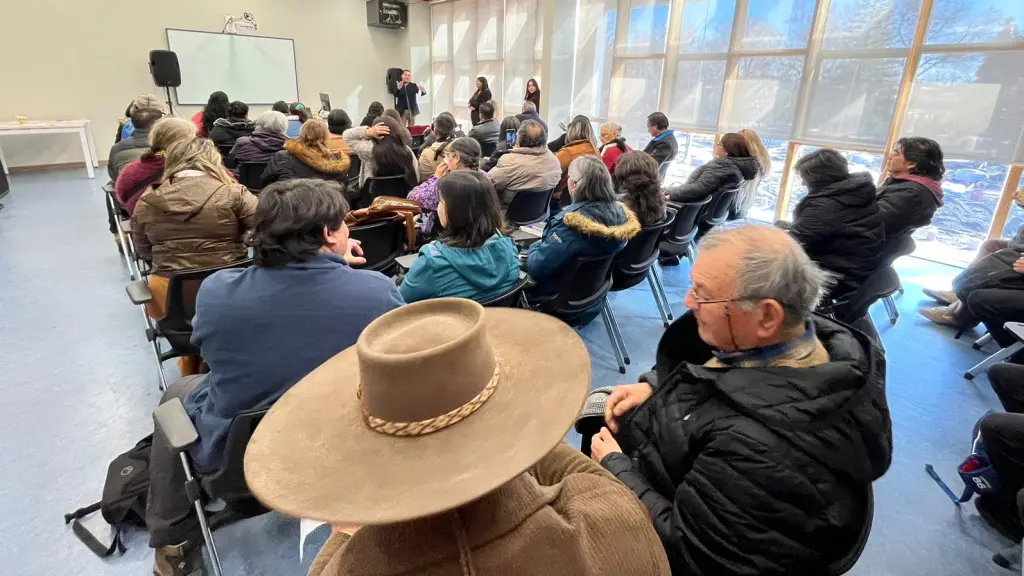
[92, 145]
[85, 152]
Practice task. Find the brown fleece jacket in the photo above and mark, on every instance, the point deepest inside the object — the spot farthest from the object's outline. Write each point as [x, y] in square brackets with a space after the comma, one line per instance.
[300, 161]
[565, 516]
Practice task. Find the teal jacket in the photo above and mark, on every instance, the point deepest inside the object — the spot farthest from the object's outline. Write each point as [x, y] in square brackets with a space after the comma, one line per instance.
[480, 274]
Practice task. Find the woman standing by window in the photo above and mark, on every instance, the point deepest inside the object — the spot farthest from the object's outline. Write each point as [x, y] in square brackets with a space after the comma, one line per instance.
[482, 94]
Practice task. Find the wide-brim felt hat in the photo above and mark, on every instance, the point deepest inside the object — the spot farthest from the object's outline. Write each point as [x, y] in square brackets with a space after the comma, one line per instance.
[438, 403]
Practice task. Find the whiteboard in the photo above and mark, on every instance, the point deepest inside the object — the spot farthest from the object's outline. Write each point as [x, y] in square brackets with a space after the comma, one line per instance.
[253, 69]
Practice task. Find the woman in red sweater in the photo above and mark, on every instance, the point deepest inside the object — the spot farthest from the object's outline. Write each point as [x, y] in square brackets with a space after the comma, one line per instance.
[137, 177]
[613, 145]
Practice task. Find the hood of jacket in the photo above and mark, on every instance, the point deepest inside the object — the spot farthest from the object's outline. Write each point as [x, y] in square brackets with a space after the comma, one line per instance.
[835, 413]
[748, 167]
[855, 191]
[486, 267]
[267, 141]
[235, 126]
[314, 159]
[608, 220]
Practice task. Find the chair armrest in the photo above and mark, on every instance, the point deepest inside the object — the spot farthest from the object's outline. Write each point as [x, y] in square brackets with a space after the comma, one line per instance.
[173, 422]
[108, 187]
[138, 292]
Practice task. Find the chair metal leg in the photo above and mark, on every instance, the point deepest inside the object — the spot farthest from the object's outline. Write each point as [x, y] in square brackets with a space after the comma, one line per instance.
[121, 237]
[982, 342]
[154, 340]
[620, 341]
[890, 307]
[657, 297]
[192, 487]
[901, 291]
[611, 338]
[691, 252]
[661, 292]
[993, 359]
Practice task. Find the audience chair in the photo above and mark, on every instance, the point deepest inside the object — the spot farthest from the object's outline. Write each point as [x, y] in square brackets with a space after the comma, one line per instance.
[881, 285]
[250, 175]
[638, 260]
[382, 186]
[487, 150]
[225, 153]
[584, 288]
[717, 211]
[529, 207]
[514, 298]
[982, 342]
[355, 165]
[848, 559]
[176, 325]
[124, 232]
[678, 239]
[227, 484]
[1015, 328]
[663, 170]
[382, 242]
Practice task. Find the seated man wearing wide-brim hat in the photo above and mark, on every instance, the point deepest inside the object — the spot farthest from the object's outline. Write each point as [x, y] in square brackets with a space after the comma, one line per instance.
[434, 446]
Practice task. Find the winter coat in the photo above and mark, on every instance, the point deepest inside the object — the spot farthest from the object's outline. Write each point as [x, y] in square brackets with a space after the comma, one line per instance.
[127, 151]
[582, 229]
[136, 178]
[524, 169]
[259, 147]
[908, 204]
[428, 197]
[757, 470]
[488, 164]
[298, 161]
[722, 173]
[486, 132]
[430, 157]
[226, 131]
[192, 221]
[663, 147]
[336, 143]
[261, 330]
[612, 151]
[197, 119]
[564, 516]
[479, 97]
[840, 228]
[567, 154]
[444, 271]
[362, 145]
[535, 116]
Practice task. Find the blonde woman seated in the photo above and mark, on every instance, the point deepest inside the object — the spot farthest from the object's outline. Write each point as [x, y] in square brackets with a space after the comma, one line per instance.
[194, 218]
[473, 259]
[308, 157]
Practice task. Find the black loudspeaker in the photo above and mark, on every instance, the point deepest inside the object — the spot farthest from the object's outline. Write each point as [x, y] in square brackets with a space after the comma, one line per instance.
[163, 65]
[393, 78]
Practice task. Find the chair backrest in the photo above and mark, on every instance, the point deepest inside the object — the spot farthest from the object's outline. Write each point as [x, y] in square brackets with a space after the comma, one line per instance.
[640, 253]
[355, 165]
[848, 558]
[529, 207]
[586, 281]
[512, 298]
[718, 210]
[225, 150]
[880, 284]
[182, 288]
[663, 170]
[487, 150]
[228, 482]
[383, 186]
[684, 227]
[250, 175]
[382, 242]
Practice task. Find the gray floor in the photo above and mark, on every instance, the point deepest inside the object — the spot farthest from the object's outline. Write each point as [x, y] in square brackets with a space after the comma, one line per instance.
[78, 385]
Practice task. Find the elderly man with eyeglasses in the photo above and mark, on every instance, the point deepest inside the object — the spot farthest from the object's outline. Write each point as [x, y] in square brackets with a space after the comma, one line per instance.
[755, 439]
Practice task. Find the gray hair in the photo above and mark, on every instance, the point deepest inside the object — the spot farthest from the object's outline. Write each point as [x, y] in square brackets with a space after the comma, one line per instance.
[529, 106]
[611, 128]
[467, 150]
[772, 269]
[593, 182]
[531, 134]
[272, 121]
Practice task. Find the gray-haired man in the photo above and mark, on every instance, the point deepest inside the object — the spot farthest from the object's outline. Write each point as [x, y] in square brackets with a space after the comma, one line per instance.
[755, 440]
[530, 112]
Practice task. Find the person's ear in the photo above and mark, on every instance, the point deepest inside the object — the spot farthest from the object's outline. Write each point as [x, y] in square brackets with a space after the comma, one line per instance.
[771, 318]
[331, 238]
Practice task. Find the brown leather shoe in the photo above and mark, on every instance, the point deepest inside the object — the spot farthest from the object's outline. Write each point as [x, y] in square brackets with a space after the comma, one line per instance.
[185, 559]
[945, 296]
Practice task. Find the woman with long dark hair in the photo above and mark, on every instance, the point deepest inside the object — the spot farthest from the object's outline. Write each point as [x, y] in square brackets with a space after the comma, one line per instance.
[482, 94]
[216, 107]
[532, 93]
[383, 150]
[473, 258]
[637, 182]
[375, 110]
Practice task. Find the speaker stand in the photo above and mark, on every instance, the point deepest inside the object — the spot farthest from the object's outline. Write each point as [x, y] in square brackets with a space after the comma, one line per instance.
[170, 107]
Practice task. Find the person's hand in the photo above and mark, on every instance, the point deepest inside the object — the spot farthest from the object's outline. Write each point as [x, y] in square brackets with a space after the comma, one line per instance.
[442, 170]
[472, 108]
[603, 444]
[354, 253]
[622, 400]
[668, 196]
[1018, 266]
[378, 131]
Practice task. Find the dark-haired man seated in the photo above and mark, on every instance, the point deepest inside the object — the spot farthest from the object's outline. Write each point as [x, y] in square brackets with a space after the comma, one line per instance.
[261, 329]
[913, 191]
[755, 441]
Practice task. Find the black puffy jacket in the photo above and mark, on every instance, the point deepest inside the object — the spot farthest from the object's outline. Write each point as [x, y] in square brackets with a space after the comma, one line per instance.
[907, 205]
[722, 173]
[225, 131]
[757, 470]
[298, 161]
[840, 228]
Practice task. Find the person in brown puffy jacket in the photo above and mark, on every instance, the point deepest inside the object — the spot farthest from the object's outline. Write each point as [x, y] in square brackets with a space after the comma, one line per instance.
[579, 141]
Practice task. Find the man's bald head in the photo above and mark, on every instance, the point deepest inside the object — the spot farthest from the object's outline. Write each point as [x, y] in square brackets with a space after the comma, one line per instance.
[531, 134]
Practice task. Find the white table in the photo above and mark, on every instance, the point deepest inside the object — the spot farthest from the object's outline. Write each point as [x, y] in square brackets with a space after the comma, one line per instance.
[80, 127]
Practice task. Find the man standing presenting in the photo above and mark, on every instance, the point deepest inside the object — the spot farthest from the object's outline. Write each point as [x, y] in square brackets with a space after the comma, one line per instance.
[405, 98]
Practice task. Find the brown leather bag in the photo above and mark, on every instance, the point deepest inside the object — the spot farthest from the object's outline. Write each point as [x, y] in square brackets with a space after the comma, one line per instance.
[389, 208]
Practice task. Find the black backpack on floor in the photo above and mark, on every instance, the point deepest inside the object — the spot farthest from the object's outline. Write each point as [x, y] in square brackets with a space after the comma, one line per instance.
[124, 499]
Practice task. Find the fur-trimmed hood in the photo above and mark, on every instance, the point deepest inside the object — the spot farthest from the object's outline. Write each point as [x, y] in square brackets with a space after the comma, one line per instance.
[610, 220]
[324, 164]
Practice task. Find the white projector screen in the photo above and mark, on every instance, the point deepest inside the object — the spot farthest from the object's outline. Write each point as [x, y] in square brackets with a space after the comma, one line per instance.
[254, 69]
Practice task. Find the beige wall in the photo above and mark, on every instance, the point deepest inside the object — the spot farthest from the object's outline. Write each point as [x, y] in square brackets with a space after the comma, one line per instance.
[86, 59]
